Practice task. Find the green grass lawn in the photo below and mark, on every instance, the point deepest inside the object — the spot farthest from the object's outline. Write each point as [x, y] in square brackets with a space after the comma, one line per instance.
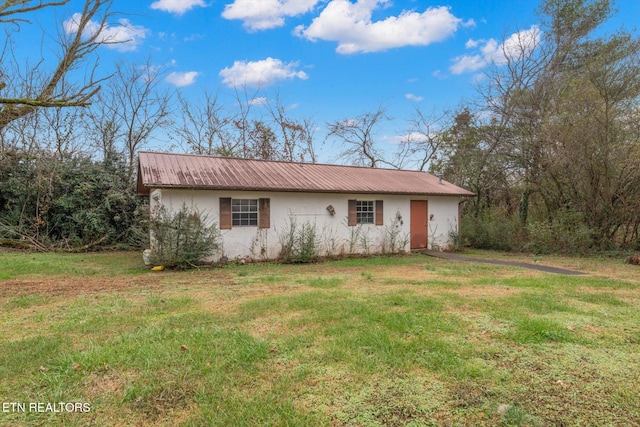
[394, 341]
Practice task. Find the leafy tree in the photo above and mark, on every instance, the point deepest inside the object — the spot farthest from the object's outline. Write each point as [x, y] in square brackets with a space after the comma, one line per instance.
[559, 138]
[469, 156]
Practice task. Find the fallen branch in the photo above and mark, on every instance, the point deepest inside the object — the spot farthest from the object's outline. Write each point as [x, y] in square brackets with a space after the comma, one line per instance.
[21, 244]
[87, 246]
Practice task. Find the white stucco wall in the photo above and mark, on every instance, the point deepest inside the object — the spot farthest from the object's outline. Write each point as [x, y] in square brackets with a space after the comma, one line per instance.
[443, 219]
[335, 237]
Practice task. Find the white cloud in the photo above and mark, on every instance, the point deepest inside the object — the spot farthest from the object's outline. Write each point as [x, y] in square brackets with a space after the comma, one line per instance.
[466, 63]
[178, 7]
[412, 97]
[491, 52]
[260, 100]
[393, 139]
[410, 137]
[193, 37]
[469, 23]
[123, 37]
[265, 14]
[438, 75]
[260, 73]
[351, 25]
[181, 79]
[470, 44]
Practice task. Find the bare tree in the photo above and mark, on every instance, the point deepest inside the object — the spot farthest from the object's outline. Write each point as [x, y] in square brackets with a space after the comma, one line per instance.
[140, 106]
[103, 128]
[296, 136]
[242, 126]
[21, 135]
[62, 130]
[358, 134]
[423, 141]
[205, 127]
[24, 91]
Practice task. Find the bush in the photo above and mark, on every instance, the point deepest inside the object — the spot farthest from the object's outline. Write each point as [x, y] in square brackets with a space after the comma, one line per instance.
[393, 240]
[565, 234]
[52, 201]
[182, 239]
[634, 259]
[299, 244]
[489, 231]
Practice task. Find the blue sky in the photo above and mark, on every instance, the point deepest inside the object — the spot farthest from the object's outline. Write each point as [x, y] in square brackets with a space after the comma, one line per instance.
[330, 59]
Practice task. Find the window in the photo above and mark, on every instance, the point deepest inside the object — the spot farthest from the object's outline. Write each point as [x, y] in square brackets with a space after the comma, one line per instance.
[244, 212]
[364, 211]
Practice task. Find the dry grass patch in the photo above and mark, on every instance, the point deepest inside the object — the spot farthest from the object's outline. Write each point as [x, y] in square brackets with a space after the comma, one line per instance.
[382, 341]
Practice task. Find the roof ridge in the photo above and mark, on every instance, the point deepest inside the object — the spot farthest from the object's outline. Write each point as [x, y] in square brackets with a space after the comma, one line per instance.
[287, 162]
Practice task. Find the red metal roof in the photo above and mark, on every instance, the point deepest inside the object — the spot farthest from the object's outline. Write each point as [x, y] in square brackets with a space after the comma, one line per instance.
[164, 170]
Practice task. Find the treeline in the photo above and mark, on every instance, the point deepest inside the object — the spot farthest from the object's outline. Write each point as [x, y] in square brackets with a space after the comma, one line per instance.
[553, 152]
[551, 148]
[68, 174]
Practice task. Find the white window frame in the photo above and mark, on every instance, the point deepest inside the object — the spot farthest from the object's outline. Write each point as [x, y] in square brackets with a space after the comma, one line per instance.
[365, 212]
[244, 212]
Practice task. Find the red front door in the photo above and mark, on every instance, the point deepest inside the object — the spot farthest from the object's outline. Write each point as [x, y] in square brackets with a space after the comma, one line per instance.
[419, 224]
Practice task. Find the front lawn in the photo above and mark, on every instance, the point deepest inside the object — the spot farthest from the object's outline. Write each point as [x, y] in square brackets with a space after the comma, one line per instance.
[394, 341]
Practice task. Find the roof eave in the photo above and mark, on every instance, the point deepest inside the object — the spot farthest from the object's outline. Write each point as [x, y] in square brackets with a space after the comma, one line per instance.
[144, 189]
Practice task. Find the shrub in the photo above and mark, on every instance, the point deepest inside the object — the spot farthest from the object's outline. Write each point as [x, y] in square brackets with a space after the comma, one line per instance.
[299, 244]
[393, 240]
[489, 231]
[182, 239]
[53, 201]
[634, 259]
[566, 233]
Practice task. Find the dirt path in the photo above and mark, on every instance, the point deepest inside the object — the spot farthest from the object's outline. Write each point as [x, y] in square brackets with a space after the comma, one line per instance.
[545, 268]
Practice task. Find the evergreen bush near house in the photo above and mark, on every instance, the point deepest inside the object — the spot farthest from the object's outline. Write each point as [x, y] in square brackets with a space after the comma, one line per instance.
[62, 200]
[182, 239]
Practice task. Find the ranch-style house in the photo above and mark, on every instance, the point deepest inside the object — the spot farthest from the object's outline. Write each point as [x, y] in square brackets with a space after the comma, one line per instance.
[352, 209]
